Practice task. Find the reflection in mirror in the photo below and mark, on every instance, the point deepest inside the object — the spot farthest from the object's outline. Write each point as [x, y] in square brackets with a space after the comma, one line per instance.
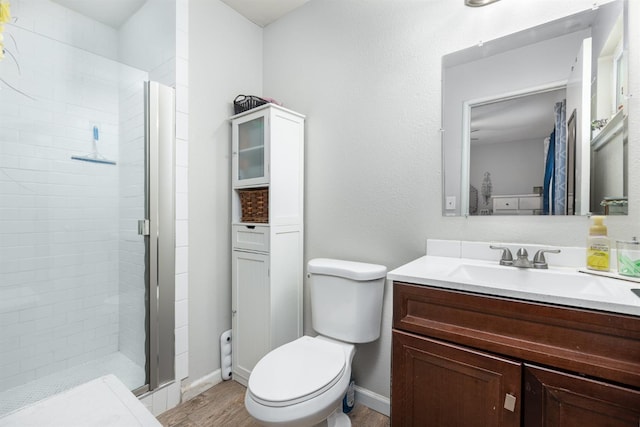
[535, 122]
[502, 131]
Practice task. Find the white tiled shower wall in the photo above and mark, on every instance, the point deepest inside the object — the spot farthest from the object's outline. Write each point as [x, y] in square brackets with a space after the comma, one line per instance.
[60, 289]
[90, 80]
[131, 267]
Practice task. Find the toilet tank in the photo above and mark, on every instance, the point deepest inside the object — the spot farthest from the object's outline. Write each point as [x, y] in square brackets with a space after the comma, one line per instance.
[346, 299]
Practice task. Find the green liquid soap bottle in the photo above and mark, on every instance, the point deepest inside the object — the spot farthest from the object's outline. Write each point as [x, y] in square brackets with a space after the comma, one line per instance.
[598, 245]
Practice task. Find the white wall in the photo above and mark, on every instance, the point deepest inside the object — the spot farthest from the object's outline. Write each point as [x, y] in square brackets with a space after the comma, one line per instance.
[225, 59]
[147, 40]
[64, 25]
[607, 18]
[368, 75]
[504, 161]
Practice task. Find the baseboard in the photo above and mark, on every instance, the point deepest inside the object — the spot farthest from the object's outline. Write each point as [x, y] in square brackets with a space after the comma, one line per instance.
[373, 400]
[201, 385]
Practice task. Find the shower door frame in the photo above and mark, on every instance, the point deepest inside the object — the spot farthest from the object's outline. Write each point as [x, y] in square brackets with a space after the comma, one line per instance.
[158, 228]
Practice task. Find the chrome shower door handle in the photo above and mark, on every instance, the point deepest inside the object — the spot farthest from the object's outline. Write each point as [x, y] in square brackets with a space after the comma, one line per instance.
[144, 227]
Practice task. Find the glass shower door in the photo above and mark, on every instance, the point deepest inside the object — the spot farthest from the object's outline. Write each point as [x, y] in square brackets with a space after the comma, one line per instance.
[73, 298]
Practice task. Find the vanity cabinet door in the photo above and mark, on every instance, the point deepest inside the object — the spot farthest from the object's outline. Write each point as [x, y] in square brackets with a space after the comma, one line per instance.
[437, 384]
[556, 399]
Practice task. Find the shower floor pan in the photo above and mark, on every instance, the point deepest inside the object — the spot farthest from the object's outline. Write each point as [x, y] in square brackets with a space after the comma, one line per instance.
[129, 373]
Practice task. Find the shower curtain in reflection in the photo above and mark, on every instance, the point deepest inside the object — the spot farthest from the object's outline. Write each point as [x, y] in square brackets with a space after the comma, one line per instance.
[549, 155]
[555, 174]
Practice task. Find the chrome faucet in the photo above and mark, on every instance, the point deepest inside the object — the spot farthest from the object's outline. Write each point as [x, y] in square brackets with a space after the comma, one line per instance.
[522, 260]
[522, 257]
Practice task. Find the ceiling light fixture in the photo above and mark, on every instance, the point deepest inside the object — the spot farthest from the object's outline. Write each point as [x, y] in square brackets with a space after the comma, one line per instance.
[477, 3]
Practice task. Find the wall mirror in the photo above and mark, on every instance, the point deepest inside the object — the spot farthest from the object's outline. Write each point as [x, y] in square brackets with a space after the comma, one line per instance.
[535, 123]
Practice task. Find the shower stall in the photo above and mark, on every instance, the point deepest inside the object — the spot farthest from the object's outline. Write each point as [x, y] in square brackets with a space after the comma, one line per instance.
[86, 219]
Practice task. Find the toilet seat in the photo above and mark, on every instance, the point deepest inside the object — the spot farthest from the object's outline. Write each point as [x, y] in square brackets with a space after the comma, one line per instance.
[296, 372]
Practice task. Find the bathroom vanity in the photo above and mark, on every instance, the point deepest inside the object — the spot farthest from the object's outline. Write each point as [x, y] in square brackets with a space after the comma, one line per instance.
[467, 353]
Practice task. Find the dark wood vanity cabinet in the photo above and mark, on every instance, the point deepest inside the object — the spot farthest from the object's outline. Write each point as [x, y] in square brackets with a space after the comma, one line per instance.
[440, 384]
[467, 360]
[554, 398]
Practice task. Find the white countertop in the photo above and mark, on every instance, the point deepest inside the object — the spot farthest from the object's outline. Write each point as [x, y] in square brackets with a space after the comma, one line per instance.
[558, 285]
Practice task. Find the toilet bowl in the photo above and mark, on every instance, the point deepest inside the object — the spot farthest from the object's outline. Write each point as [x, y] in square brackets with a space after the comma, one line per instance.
[303, 382]
[300, 383]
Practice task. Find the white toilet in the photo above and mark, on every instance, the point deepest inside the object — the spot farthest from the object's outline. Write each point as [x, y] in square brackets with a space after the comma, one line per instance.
[302, 383]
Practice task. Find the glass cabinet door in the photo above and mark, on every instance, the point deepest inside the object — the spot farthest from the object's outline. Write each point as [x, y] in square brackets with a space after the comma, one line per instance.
[251, 151]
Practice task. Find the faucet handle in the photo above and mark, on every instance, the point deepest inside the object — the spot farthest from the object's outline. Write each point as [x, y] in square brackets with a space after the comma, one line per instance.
[539, 261]
[507, 257]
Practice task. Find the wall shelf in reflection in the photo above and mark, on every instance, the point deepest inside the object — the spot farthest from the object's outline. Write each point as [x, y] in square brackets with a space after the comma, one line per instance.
[613, 128]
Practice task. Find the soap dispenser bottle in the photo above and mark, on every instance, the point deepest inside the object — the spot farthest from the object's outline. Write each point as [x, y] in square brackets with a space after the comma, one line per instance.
[598, 245]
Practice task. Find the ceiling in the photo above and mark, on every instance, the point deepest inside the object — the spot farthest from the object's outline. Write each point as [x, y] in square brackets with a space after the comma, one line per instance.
[264, 12]
[529, 117]
[114, 13]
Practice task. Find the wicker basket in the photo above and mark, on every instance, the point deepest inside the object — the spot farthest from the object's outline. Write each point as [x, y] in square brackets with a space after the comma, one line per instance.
[254, 205]
[244, 103]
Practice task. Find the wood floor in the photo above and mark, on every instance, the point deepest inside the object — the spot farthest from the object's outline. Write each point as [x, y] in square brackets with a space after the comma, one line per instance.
[223, 405]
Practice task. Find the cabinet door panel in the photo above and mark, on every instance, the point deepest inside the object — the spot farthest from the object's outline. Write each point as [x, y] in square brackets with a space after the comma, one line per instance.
[250, 148]
[250, 307]
[436, 384]
[556, 399]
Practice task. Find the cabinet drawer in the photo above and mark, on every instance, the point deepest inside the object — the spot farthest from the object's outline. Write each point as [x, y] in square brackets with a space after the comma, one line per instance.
[251, 237]
[530, 203]
[501, 203]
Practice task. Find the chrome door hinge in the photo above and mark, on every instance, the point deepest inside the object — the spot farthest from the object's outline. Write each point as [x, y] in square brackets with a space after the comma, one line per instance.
[144, 228]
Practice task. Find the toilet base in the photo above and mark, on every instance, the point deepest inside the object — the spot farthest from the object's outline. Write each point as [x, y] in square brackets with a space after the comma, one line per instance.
[336, 419]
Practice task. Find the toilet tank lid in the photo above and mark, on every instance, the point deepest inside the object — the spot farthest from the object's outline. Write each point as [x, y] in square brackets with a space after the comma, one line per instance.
[348, 269]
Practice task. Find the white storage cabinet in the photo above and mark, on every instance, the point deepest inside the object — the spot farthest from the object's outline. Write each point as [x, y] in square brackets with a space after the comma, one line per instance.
[267, 270]
[519, 204]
